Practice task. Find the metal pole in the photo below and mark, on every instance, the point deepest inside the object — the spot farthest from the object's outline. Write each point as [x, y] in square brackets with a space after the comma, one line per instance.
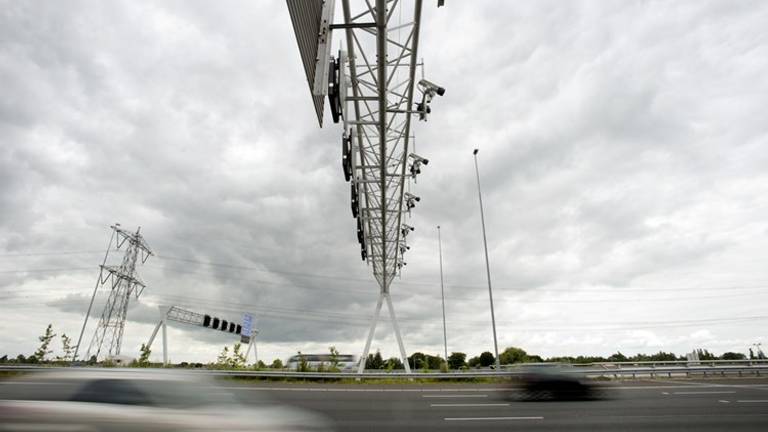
[442, 291]
[381, 65]
[252, 343]
[165, 343]
[487, 265]
[403, 357]
[361, 366]
[154, 333]
[248, 350]
[93, 297]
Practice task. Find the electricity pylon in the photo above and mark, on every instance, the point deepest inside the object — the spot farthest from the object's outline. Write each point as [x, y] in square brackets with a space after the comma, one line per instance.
[123, 283]
[371, 85]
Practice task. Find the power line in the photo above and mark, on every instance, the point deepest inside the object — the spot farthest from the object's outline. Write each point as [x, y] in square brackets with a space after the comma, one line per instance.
[504, 299]
[49, 270]
[365, 316]
[56, 253]
[507, 287]
[296, 312]
[542, 290]
[340, 319]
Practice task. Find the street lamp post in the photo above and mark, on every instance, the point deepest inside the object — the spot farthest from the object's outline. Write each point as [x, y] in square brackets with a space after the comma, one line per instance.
[487, 265]
[442, 292]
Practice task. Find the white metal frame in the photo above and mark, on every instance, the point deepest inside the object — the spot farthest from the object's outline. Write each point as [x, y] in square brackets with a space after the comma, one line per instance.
[177, 314]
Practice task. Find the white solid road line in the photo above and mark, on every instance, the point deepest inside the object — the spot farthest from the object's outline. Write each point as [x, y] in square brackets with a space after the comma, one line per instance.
[455, 396]
[467, 404]
[754, 401]
[491, 418]
[704, 392]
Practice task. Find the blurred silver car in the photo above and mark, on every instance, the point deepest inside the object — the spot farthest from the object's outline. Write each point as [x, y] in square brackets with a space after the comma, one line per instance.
[128, 400]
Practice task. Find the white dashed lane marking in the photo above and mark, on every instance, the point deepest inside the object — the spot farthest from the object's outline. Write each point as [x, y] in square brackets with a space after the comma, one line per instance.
[455, 396]
[437, 405]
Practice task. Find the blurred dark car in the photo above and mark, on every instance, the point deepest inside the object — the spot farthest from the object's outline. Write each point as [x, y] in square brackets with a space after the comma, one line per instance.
[553, 381]
[131, 400]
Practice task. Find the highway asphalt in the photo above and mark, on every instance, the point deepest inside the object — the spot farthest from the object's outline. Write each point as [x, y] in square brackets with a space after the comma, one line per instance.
[736, 404]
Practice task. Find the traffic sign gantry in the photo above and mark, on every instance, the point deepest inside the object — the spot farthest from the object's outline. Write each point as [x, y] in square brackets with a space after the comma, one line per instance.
[177, 314]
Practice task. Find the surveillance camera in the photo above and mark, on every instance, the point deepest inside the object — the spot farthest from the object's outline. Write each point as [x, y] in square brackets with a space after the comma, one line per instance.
[418, 158]
[407, 227]
[411, 196]
[431, 87]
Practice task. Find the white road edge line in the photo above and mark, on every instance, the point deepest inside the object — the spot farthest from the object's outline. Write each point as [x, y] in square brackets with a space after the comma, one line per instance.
[753, 401]
[490, 418]
[733, 385]
[762, 387]
[704, 392]
[454, 396]
[469, 390]
[467, 404]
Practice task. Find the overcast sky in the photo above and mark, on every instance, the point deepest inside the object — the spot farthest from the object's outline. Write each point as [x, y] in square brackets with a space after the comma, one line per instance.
[623, 159]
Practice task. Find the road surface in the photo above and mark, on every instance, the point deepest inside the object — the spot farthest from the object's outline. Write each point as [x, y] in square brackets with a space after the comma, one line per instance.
[736, 404]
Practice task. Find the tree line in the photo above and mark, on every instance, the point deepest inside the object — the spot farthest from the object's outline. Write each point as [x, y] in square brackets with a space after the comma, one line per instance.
[514, 355]
[235, 358]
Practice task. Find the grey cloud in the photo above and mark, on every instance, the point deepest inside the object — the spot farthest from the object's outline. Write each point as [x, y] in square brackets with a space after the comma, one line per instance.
[620, 143]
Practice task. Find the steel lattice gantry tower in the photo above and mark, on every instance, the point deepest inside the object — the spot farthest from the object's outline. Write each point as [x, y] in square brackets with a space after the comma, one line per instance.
[371, 87]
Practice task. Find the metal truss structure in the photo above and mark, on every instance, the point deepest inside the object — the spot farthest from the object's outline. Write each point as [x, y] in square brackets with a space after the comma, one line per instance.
[371, 86]
[123, 283]
[184, 316]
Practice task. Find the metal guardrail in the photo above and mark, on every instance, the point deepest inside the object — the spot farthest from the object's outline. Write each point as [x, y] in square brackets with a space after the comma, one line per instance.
[676, 362]
[677, 370]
